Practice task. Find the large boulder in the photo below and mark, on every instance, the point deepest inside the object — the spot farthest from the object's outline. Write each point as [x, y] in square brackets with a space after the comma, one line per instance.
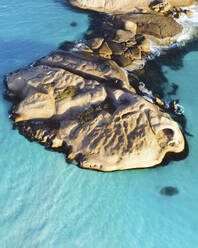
[158, 28]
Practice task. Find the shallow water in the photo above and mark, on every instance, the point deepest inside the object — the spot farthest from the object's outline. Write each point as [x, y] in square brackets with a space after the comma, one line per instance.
[45, 202]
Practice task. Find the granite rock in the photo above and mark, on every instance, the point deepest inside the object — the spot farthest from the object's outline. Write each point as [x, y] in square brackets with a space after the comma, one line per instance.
[126, 6]
[102, 126]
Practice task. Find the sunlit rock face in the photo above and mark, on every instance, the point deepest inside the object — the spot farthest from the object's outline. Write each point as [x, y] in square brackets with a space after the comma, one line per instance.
[86, 106]
[158, 28]
[116, 6]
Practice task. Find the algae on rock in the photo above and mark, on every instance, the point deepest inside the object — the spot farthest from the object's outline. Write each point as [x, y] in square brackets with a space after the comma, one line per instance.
[68, 92]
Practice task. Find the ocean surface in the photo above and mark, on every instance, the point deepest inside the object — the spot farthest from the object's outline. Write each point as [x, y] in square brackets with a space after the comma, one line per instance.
[47, 203]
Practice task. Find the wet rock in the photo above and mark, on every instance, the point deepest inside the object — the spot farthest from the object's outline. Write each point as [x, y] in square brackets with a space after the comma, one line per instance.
[189, 13]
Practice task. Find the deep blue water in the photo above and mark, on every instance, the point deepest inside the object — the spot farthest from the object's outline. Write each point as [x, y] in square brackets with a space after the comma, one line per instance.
[47, 203]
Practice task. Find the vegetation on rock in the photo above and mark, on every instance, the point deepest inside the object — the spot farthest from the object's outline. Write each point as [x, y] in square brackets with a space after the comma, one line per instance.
[68, 92]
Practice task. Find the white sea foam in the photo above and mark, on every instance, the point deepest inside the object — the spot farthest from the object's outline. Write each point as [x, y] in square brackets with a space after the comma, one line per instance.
[189, 32]
[156, 50]
[190, 26]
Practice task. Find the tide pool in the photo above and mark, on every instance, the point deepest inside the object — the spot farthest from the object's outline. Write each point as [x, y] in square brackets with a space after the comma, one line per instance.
[47, 203]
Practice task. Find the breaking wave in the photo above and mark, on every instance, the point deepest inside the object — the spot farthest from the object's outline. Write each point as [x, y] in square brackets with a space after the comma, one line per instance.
[189, 33]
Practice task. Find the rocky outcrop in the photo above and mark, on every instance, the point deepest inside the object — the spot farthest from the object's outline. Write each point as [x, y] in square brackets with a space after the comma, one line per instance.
[126, 6]
[88, 104]
[80, 100]
[126, 48]
[126, 37]
[161, 29]
[87, 65]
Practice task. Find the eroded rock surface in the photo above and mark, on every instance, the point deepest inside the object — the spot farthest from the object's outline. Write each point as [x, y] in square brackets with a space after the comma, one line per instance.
[65, 99]
[161, 29]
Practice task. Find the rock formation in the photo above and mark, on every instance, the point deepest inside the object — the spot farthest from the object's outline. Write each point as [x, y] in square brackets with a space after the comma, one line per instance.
[126, 6]
[88, 104]
[80, 100]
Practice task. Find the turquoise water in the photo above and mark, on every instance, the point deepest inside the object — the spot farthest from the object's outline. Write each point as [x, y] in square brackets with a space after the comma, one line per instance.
[47, 203]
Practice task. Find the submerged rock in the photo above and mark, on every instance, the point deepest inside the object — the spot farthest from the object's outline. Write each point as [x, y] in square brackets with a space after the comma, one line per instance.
[169, 191]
